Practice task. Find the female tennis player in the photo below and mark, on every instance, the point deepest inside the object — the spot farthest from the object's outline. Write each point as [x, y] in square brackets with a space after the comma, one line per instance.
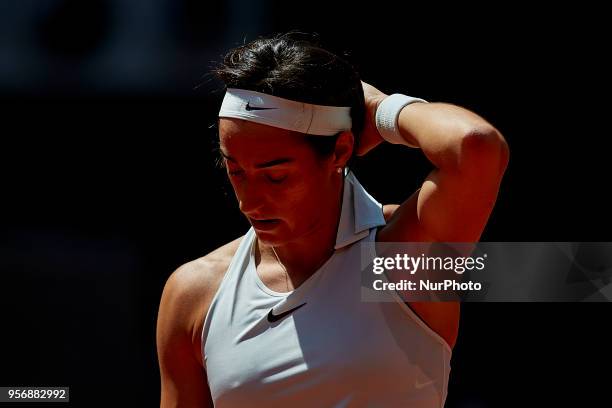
[275, 318]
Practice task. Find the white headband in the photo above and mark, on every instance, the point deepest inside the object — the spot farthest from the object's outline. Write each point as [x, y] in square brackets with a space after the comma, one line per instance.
[284, 113]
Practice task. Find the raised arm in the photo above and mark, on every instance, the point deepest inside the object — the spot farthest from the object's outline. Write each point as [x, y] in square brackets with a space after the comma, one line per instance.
[469, 156]
[456, 199]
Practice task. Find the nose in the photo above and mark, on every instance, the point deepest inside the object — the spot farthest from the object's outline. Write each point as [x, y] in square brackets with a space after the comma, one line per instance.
[249, 207]
[251, 198]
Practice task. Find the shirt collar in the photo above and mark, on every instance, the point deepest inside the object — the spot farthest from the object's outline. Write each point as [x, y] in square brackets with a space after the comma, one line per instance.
[360, 212]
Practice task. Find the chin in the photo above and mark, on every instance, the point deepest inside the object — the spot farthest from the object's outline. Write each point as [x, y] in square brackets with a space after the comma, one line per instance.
[283, 235]
[277, 236]
[270, 238]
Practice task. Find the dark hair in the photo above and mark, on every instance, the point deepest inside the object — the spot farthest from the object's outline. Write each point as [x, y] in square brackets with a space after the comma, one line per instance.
[295, 66]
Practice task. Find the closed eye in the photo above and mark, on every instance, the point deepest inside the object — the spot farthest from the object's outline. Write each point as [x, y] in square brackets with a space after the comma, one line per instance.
[276, 180]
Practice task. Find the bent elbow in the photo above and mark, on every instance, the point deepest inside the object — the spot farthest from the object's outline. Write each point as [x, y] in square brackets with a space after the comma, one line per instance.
[484, 149]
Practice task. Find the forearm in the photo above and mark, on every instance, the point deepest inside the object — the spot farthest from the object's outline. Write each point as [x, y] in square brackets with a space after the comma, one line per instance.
[449, 134]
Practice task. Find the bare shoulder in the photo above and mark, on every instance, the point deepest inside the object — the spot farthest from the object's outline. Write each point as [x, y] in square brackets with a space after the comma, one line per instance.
[184, 301]
[190, 289]
[200, 276]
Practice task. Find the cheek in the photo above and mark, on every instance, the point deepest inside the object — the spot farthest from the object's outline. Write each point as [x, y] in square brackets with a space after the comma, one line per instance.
[303, 206]
[304, 199]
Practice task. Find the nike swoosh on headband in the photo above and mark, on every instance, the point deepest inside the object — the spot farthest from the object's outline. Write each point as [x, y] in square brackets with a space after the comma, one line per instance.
[275, 318]
[252, 108]
[270, 110]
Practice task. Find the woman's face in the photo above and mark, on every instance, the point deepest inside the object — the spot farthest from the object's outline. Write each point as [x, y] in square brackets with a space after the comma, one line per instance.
[282, 186]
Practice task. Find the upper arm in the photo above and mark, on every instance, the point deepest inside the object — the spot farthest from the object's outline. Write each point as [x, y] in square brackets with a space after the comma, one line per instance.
[454, 203]
[183, 378]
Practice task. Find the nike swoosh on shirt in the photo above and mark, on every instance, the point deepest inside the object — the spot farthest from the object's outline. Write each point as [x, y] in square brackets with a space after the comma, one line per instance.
[275, 318]
[250, 108]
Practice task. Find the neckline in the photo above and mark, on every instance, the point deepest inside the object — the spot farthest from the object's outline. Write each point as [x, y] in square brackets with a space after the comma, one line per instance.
[308, 282]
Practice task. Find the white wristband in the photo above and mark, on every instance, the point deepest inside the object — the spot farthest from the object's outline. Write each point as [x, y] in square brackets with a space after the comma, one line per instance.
[387, 115]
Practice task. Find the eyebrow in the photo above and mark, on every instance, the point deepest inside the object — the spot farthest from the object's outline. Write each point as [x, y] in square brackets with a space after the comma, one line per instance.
[270, 163]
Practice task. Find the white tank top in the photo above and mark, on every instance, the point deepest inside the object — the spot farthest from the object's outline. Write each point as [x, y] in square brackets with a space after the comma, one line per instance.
[330, 349]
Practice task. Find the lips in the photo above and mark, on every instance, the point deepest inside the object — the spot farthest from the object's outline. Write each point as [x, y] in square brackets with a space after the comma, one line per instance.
[264, 224]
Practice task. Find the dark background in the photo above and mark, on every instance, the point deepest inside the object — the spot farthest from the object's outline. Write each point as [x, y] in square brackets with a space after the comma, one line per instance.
[109, 183]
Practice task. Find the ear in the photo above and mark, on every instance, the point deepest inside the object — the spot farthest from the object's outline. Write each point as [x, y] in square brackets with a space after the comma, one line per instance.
[344, 148]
